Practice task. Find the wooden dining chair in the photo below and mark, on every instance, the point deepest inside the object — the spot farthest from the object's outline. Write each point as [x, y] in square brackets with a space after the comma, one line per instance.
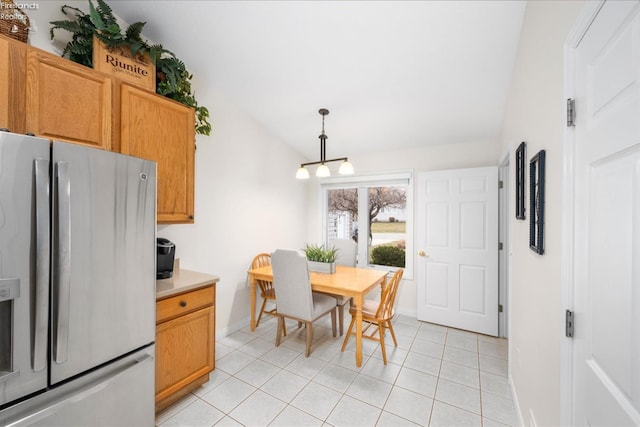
[378, 314]
[347, 255]
[266, 288]
[296, 300]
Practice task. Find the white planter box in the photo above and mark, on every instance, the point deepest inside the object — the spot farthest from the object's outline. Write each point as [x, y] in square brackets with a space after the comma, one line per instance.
[322, 267]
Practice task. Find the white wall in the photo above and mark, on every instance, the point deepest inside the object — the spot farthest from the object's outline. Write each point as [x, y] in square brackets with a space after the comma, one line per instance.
[247, 200]
[536, 114]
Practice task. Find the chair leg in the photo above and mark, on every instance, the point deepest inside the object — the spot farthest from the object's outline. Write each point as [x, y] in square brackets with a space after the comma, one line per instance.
[393, 335]
[384, 350]
[309, 338]
[341, 319]
[284, 324]
[346, 338]
[280, 327]
[264, 303]
[333, 322]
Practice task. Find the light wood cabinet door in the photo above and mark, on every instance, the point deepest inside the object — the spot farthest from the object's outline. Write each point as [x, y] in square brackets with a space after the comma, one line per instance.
[13, 56]
[162, 130]
[67, 101]
[184, 351]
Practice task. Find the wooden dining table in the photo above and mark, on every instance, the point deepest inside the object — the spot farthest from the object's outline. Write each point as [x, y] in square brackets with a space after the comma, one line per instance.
[353, 282]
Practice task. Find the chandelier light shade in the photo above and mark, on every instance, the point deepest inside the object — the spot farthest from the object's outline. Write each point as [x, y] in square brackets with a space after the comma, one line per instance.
[302, 173]
[323, 171]
[346, 168]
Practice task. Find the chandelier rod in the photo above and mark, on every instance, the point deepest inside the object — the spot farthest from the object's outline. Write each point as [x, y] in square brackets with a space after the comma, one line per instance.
[323, 137]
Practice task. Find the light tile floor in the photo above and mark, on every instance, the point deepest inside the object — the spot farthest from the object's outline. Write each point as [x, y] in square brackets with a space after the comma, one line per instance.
[437, 376]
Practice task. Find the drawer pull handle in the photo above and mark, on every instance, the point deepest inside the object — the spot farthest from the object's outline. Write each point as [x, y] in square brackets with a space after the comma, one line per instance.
[183, 303]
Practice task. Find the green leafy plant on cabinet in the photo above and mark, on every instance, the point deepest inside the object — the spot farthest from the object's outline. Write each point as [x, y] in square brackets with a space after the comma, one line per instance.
[173, 80]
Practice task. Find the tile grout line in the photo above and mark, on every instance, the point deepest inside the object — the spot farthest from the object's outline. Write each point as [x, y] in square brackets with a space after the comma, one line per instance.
[480, 384]
[382, 411]
[435, 391]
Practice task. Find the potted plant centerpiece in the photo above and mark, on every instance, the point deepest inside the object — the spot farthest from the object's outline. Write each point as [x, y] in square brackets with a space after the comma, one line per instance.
[321, 259]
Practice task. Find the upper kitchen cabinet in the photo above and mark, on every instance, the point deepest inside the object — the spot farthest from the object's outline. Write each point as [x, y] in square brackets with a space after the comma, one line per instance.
[13, 57]
[67, 101]
[156, 128]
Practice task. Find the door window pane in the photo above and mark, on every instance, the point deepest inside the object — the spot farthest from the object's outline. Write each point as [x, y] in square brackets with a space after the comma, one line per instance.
[342, 213]
[387, 225]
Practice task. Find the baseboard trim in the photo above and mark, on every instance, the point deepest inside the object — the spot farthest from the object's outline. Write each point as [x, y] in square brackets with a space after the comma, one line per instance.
[235, 327]
[516, 403]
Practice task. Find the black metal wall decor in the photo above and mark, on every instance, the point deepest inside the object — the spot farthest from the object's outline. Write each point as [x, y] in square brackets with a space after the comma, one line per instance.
[536, 202]
[520, 186]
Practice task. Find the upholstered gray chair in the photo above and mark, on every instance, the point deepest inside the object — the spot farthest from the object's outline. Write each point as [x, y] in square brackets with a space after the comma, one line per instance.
[347, 251]
[347, 255]
[295, 298]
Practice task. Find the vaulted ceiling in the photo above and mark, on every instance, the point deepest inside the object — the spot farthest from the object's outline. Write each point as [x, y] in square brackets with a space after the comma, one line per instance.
[393, 74]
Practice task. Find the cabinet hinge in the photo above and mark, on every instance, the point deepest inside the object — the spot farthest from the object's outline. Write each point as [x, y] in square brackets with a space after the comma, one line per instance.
[568, 324]
[571, 112]
[500, 308]
[500, 184]
[500, 246]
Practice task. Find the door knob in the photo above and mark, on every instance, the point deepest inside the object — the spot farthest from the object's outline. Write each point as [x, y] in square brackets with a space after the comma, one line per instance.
[423, 254]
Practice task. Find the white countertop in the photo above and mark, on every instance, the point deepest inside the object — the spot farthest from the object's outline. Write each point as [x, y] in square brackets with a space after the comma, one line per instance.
[183, 281]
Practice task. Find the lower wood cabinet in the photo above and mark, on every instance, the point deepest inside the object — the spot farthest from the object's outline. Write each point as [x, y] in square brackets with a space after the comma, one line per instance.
[185, 343]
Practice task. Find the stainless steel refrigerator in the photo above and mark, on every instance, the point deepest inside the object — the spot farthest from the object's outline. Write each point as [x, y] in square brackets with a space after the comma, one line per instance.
[77, 285]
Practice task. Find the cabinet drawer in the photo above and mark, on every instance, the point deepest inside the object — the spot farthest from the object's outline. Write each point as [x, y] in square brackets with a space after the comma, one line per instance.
[184, 303]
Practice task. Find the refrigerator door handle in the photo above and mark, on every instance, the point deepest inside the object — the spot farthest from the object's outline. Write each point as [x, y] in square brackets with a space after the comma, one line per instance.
[39, 352]
[62, 274]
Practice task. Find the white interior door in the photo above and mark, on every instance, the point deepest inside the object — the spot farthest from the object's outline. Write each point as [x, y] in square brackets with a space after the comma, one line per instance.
[457, 241]
[606, 216]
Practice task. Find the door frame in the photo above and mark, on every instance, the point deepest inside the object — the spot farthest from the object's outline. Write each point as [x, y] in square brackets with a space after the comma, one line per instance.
[504, 236]
[577, 32]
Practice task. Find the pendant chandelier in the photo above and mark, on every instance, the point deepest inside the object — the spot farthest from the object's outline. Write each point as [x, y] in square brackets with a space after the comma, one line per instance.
[346, 168]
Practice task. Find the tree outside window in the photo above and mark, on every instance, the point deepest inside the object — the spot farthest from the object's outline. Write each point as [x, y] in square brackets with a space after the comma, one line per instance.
[386, 227]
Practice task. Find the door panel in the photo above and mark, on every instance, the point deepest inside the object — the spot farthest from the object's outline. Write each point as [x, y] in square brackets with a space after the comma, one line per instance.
[472, 289]
[606, 214]
[437, 224]
[473, 216]
[457, 229]
[437, 294]
[106, 308]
